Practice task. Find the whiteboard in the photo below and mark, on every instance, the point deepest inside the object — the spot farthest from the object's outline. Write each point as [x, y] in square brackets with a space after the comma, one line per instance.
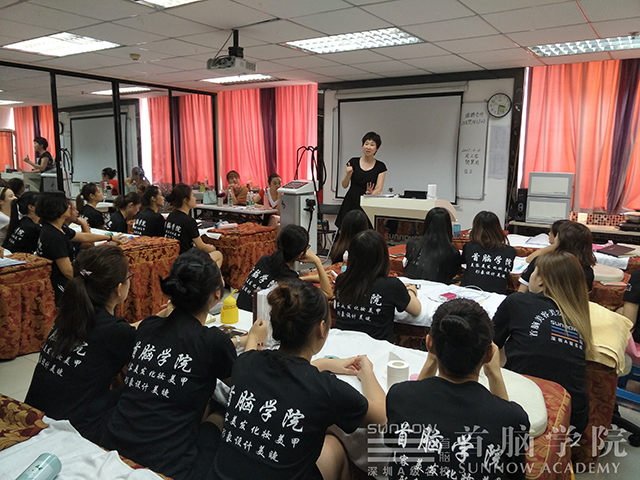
[419, 140]
[93, 146]
[471, 150]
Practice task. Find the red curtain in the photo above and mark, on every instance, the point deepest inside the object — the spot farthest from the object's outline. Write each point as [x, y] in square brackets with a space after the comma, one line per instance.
[296, 126]
[23, 120]
[241, 136]
[45, 113]
[160, 139]
[6, 148]
[196, 139]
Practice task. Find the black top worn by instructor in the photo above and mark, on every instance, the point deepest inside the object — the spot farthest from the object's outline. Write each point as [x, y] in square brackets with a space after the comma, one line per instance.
[359, 180]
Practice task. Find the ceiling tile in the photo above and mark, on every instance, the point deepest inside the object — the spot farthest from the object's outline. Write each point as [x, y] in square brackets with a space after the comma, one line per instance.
[411, 12]
[6, 3]
[441, 64]
[218, 39]
[532, 61]
[343, 21]
[99, 9]
[269, 68]
[15, 56]
[181, 63]
[406, 73]
[491, 6]
[417, 50]
[625, 54]
[22, 31]
[384, 67]
[146, 55]
[511, 54]
[553, 35]
[272, 52]
[310, 61]
[478, 44]
[618, 27]
[178, 48]
[598, 10]
[37, 15]
[361, 76]
[83, 61]
[536, 18]
[337, 71]
[366, 2]
[168, 25]
[453, 29]
[118, 34]
[587, 57]
[181, 76]
[137, 70]
[235, 14]
[294, 8]
[11, 74]
[355, 57]
[279, 31]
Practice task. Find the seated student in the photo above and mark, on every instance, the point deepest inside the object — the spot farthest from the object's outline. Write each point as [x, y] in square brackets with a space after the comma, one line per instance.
[127, 207]
[292, 245]
[460, 414]
[180, 226]
[631, 299]
[22, 235]
[6, 200]
[71, 233]
[87, 346]
[91, 194]
[109, 178]
[148, 221]
[238, 192]
[546, 332]
[17, 186]
[366, 296]
[137, 179]
[488, 255]
[173, 373]
[433, 257]
[54, 244]
[553, 238]
[575, 238]
[270, 197]
[282, 403]
[354, 222]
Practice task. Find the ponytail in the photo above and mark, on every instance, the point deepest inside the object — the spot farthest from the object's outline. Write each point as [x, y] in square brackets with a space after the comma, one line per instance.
[291, 243]
[122, 201]
[19, 205]
[87, 190]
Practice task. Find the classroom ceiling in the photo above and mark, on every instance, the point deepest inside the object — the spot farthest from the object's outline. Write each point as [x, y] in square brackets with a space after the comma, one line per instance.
[174, 44]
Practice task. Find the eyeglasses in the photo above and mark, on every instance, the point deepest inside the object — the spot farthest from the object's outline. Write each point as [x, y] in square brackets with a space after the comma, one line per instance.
[130, 276]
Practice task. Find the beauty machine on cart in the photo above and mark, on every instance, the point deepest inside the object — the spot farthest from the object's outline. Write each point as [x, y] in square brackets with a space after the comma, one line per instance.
[298, 206]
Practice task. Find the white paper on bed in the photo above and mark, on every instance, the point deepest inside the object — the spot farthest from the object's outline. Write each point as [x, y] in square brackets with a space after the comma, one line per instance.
[539, 241]
[611, 261]
[80, 458]
[429, 296]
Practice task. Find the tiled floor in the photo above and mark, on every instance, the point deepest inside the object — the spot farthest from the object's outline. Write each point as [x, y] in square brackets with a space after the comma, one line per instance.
[15, 375]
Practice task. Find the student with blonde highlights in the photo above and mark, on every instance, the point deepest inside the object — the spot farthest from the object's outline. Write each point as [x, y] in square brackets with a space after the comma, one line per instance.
[556, 308]
[575, 238]
[293, 399]
[488, 255]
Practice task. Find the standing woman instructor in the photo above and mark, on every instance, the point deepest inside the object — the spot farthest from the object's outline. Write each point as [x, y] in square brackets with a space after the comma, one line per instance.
[365, 175]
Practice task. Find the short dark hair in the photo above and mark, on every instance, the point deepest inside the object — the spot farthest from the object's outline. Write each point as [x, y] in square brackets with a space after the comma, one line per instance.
[271, 177]
[16, 184]
[373, 136]
[462, 334]
[51, 206]
[232, 173]
[194, 276]
[179, 194]
[42, 141]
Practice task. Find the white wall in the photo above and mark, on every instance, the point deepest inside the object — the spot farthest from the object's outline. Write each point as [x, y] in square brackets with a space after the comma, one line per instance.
[6, 119]
[495, 190]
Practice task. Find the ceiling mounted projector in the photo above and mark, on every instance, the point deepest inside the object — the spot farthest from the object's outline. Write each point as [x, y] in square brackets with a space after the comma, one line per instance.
[234, 62]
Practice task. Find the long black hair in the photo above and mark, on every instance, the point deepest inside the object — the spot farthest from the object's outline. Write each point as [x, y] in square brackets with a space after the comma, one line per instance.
[84, 196]
[433, 257]
[178, 195]
[353, 223]
[462, 334]
[296, 308]
[97, 272]
[292, 241]
[194, 276]
[368, 261]
[19, 205]
[149, 193]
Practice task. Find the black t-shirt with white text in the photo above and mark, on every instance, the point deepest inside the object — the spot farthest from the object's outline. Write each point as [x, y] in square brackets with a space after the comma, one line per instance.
[374, 316]
[488, 269]
[440, 429]
[181, 226]
[94, 218]
[632, 295]
[262, 276]
[171, 377]
[526, 275]
[75, 386]
[117, 223]
[149, 223]
[278, 413]
[54, 245]
[536, 342]
[24, 238]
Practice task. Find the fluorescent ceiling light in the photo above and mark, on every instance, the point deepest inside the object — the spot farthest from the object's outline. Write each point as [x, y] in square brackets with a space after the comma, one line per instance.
[587, 46]
[122, 90]
[8, 102]
[61, 45]
[386, 37]
[256, 77]
[165, 3]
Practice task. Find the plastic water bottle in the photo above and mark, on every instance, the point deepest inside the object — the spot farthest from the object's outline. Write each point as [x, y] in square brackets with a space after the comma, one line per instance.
[230, 196]
[46, 467]
[250, 199]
